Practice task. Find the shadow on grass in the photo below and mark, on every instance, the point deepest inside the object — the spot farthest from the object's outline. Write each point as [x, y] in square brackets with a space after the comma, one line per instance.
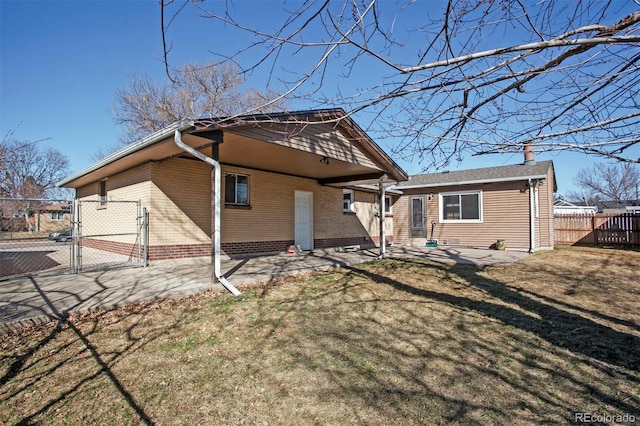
[62, 322]
[559, 327]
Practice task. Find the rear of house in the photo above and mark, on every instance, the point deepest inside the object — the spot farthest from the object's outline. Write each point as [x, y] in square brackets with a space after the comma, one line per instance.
[478, 207]
[286, 179]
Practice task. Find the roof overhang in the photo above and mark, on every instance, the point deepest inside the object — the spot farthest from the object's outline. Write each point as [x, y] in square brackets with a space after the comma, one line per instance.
[325, 145]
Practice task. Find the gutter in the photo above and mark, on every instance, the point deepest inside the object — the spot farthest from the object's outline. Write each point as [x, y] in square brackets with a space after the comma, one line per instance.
[129, 149]
[216, 274]
[532, 218]
[471, 182]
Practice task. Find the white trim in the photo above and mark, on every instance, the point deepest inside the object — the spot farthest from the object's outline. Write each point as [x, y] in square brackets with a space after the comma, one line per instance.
[216, 178]
[351, 202]
[388, 204]
[303, 233]
[235, 189]
[470, 182]
[102, 193]
[129, 149]
[441, 205]
[389, 189]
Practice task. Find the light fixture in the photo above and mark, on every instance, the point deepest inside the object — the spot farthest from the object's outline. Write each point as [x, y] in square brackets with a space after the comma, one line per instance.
[324, 160]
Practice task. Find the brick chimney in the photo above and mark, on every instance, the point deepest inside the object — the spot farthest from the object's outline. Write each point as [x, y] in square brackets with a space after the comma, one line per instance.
[529, 155]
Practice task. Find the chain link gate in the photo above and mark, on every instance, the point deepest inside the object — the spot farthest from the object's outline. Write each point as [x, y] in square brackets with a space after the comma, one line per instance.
[48, 237]
[109, 234]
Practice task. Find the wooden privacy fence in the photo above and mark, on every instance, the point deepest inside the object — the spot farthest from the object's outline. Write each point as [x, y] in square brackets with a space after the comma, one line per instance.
[602, 229]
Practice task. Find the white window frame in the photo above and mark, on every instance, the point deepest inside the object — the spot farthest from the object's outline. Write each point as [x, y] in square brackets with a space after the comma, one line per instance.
[441, 206]
[56, 216]
[102, 194]
[352, 200]
[235, 189]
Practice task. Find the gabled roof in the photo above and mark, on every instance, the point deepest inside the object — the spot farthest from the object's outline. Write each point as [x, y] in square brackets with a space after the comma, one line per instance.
[291, 143]
[518, 172]
[60, 207]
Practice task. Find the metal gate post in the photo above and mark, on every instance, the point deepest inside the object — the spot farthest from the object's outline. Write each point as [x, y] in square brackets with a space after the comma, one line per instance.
[72, 247]
[77, 239]
[145, 236]
[139, 231]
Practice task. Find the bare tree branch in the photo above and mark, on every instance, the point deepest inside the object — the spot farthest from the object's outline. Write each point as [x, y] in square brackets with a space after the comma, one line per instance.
[608, 182]
[197, 91]
[455, 78]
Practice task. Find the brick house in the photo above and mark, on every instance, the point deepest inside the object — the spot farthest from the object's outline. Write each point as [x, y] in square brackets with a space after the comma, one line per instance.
[305, 178]
[54, 217]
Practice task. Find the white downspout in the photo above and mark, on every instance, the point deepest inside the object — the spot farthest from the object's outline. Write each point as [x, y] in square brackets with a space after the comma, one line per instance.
[532, 232]
[383, 231]
[216, 274]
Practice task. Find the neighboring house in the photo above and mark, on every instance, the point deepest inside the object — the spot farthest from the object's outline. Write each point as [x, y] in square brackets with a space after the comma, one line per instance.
[614, 207]
[478, 207]
[562, 207]
[55, 217]
[28, 215]
[286, 179]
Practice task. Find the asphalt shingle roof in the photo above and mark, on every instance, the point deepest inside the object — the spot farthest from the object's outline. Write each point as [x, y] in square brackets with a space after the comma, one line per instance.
[538, 170]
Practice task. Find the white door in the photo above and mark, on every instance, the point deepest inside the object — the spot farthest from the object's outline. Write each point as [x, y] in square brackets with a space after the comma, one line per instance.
[304, 220]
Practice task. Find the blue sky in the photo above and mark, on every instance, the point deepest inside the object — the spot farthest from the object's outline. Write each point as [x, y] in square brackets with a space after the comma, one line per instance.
[62, 61]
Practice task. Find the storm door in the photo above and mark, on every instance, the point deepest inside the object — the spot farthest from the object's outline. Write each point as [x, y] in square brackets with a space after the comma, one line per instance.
[417, 216]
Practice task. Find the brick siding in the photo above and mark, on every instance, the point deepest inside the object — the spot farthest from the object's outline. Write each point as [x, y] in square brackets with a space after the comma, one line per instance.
[126, 249]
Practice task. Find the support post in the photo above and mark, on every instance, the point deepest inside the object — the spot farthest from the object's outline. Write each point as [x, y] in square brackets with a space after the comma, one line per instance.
[383, 236]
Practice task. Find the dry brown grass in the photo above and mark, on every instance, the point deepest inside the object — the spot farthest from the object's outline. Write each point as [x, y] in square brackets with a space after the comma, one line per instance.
[397, 341]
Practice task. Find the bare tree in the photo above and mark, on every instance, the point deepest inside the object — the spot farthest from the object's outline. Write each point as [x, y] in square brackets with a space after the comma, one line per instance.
[450, 78]
[195, 91]
[618, 182]
[28, 172]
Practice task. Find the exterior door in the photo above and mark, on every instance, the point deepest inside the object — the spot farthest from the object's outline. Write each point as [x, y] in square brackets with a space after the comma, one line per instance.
[303, 234]
[417, 217]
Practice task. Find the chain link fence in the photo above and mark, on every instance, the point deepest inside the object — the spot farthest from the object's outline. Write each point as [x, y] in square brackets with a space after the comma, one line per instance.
[35, 236]
[109, 234]
[44, 237]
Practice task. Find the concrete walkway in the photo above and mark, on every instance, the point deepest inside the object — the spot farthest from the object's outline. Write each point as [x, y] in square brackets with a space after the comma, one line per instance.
[33, 300]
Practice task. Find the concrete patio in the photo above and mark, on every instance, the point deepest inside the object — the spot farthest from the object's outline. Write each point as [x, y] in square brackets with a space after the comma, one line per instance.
[33, 300]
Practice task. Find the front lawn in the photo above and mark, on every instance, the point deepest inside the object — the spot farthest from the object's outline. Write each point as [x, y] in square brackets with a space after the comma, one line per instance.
[383, 343]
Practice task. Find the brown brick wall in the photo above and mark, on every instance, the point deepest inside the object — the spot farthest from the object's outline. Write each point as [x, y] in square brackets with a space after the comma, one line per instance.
[256, 247]
[178, 251]
[324, 243]
[126, 249]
